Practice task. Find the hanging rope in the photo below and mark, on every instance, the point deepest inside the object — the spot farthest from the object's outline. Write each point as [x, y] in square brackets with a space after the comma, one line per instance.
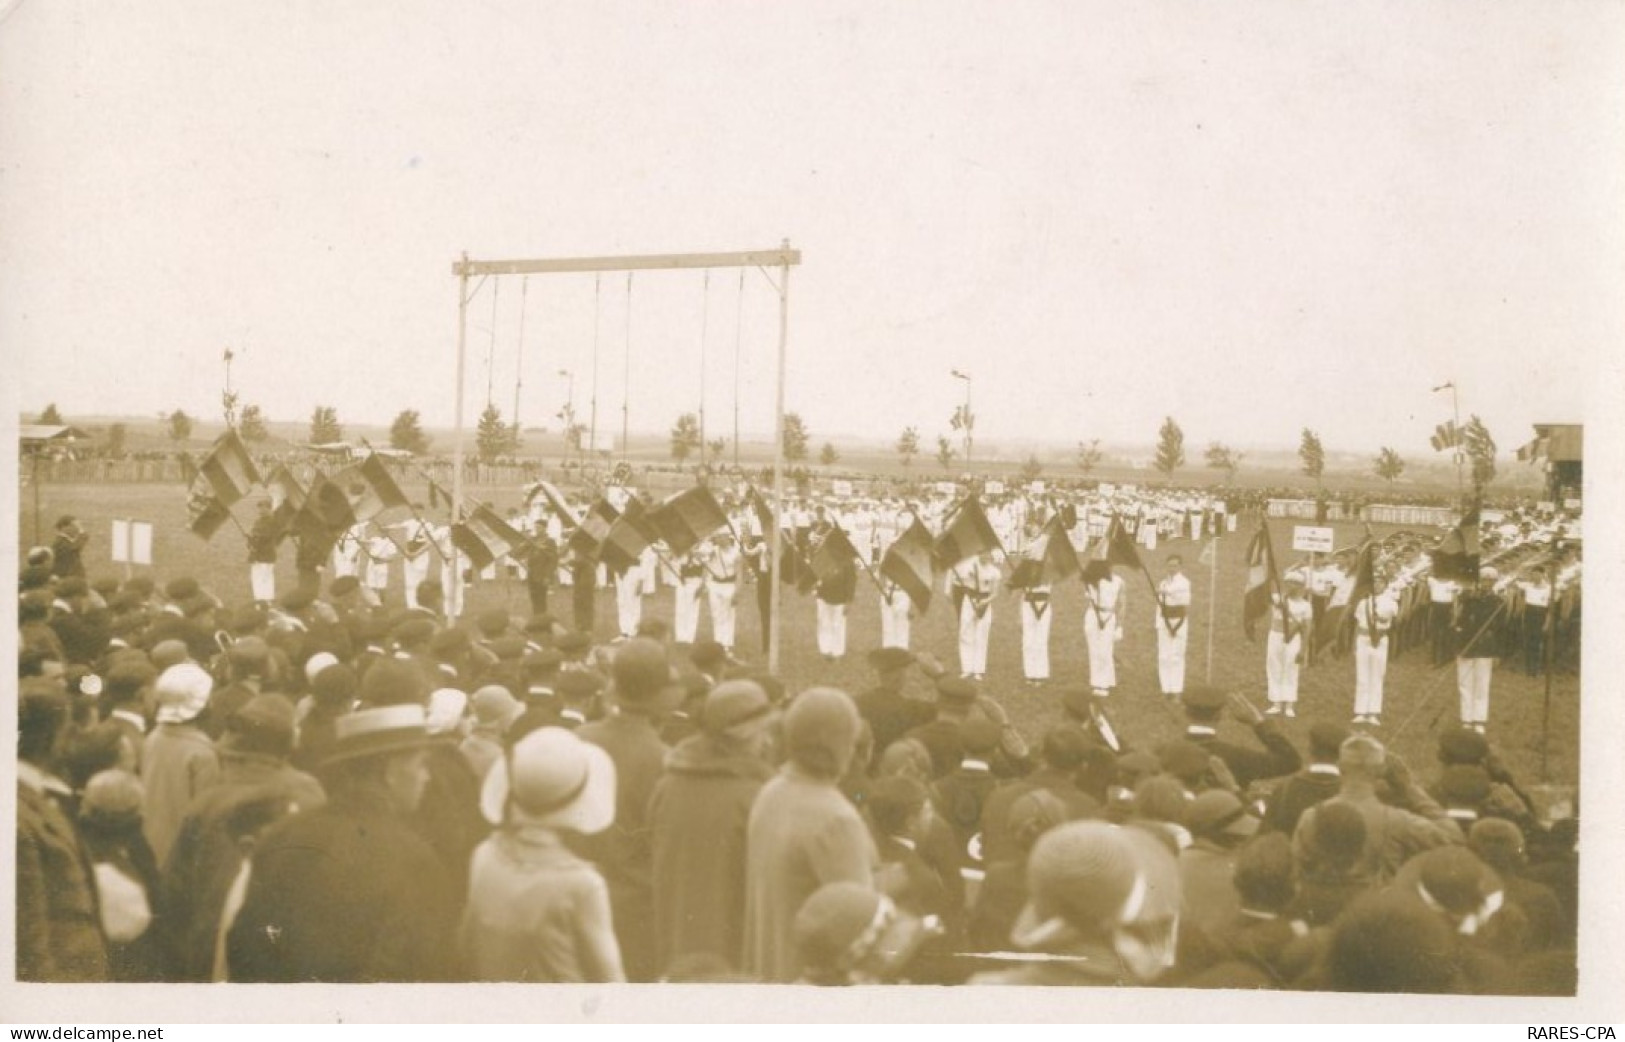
[519, 360]
[592, 442]
[705, 311]
[626, 387]
[739, 341]
[491, 352]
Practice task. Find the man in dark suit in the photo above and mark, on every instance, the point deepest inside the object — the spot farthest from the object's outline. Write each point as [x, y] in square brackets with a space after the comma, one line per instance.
[888, 710]
[1204, 709]
[1318, 781]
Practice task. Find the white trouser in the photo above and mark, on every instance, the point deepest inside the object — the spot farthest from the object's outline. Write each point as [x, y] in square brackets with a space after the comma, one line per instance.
[1281, 666]
[1473, 684]
[451, 580]
[1370, 667]
[378, 576]
[1035, 640]
[973, 634]
[1100, 635]
[1148, 534]
[723, 598]
[1171, 656]
[344, 558]
[831, 628]
[262, 579]
[416, 570]
[894, 620]
[686, 611]
[1196, 526]
[629, 602]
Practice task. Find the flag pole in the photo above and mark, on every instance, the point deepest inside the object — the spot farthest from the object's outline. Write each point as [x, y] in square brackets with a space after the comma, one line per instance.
[1212, 594]
[457, 450]
[776, 598]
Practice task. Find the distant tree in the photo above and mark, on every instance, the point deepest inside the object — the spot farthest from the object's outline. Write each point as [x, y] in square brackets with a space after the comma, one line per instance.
[945, 452]
[1480, 449]
[325, 426]
[685, 437]
[795, 437]
[117, 435]
[1032, 470]
[908, 445]
[1388, 465]
[51, 417]
[179, 425]
[406, 433]
[493, 437]
[716, 448]
[1223, 457]
[827, 455]
[1170, 448]
[1312, 455]
[251, 424]
[1089, 455]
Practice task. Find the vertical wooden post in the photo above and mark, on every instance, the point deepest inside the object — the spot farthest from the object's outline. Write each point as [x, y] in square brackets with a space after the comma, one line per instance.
[777, 596]
[457, 451]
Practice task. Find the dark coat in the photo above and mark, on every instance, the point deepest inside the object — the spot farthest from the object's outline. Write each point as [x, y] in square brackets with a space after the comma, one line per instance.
[349, 893]
[59, 937]
[622, 852]
[997, 841]
[1296, 795]
[891, 715]
[1248, 763]
[449, 817]
[697, 820]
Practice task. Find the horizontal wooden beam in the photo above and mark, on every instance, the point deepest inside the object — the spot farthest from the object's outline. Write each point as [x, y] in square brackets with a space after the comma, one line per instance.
[660, 261]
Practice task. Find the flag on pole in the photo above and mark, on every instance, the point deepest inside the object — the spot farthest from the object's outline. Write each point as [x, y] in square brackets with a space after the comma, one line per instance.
[323, 518]
[554, 499]
[485, 537]
[1115, 547]
[628, 537]
[688, 517]
[1446, 436]
[204, 513]
[1336, 627]
[229, 469]
[382, 482]
[285, 491]
[907, 562]
[763, 512]
[834, 552]
[438, 497]
[1261, 582]
[1457, 554]
[589, 536]
[967, 534]
[1048, 560]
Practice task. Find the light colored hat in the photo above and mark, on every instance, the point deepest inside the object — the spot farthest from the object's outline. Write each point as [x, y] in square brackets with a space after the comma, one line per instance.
[374, 732]
[552, 778]
[182, 692]
[318, 662]
[495, 706]
[446, 707]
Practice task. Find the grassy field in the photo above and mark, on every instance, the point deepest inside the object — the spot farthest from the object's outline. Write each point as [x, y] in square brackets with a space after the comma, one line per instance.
[1419, 700]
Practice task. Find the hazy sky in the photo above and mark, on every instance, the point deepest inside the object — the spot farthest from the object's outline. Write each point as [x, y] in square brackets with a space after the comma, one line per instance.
[1251, 216]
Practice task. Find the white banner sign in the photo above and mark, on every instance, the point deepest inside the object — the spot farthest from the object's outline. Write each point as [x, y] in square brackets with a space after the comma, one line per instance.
[132, 542]
[1312, 539]
[842, 488]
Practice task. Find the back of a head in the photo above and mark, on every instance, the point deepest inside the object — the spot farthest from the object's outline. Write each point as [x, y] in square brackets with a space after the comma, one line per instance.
[640, 670]
[1389, 942]
[821, 731]
[1264, 873]
[1065, 747]
[1161, 798]
[893, 802]
[1338, 834]
[1326, 741]
[1362, 757]
[1498, 842]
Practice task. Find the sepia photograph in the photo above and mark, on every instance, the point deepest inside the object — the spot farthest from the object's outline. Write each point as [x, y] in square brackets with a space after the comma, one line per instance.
[808, 511]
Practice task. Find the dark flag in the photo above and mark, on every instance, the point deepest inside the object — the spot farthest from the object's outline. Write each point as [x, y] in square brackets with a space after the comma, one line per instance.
[1261, 582]
[1456, 556]
[322, 519]
[1336, 624]
[967, 534]
[382, 482]
[554, 499]
[834, 552]
[763, 512]
[1115, 547]
[907, 562]
[229, 469]
[204, 513]
[628, 537]
[1049, 560]
[485, 537]
[686, 518]
[438, 497]
[590, 534]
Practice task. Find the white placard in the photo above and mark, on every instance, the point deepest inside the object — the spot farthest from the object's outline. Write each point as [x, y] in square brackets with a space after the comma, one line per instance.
[994, 488]
[841, 487]
[1571, 504]
[1546, 506]
[1037, 488]
[947, 488]
[121, 542]
[141, 543]
[1312, 539]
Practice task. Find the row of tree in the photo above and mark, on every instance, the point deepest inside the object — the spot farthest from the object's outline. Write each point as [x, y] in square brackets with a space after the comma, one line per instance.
[496, 438]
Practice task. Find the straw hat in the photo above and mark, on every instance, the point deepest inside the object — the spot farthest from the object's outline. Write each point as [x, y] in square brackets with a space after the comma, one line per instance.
[552, 778]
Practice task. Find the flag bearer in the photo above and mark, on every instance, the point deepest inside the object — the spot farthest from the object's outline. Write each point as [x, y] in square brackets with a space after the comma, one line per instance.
[1373, 617]
[1035, 624]
[1288, 634]
[1104, 603]
[977, 580]
[690, 591]
[1173, 635]
[722, 589]
[896, 611]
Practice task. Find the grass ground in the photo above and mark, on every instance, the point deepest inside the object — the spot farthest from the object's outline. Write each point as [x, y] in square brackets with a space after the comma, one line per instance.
[1419, 700]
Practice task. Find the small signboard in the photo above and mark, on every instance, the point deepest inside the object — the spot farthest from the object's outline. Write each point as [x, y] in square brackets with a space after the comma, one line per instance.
[1546, 506]
[1571, 504]
[1312, 539]
[1037, 488]
[947, 488]
[994, 488]
[842, 488]
[132, 542]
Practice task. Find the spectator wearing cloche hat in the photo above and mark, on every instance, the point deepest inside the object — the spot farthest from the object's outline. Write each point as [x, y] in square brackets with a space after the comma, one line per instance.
[537, 912]
[351, 892]
[803, 832]
[697, 821]
[178, 761]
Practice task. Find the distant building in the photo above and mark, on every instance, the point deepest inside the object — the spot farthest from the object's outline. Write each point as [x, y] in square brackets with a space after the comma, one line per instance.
[52, 441]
